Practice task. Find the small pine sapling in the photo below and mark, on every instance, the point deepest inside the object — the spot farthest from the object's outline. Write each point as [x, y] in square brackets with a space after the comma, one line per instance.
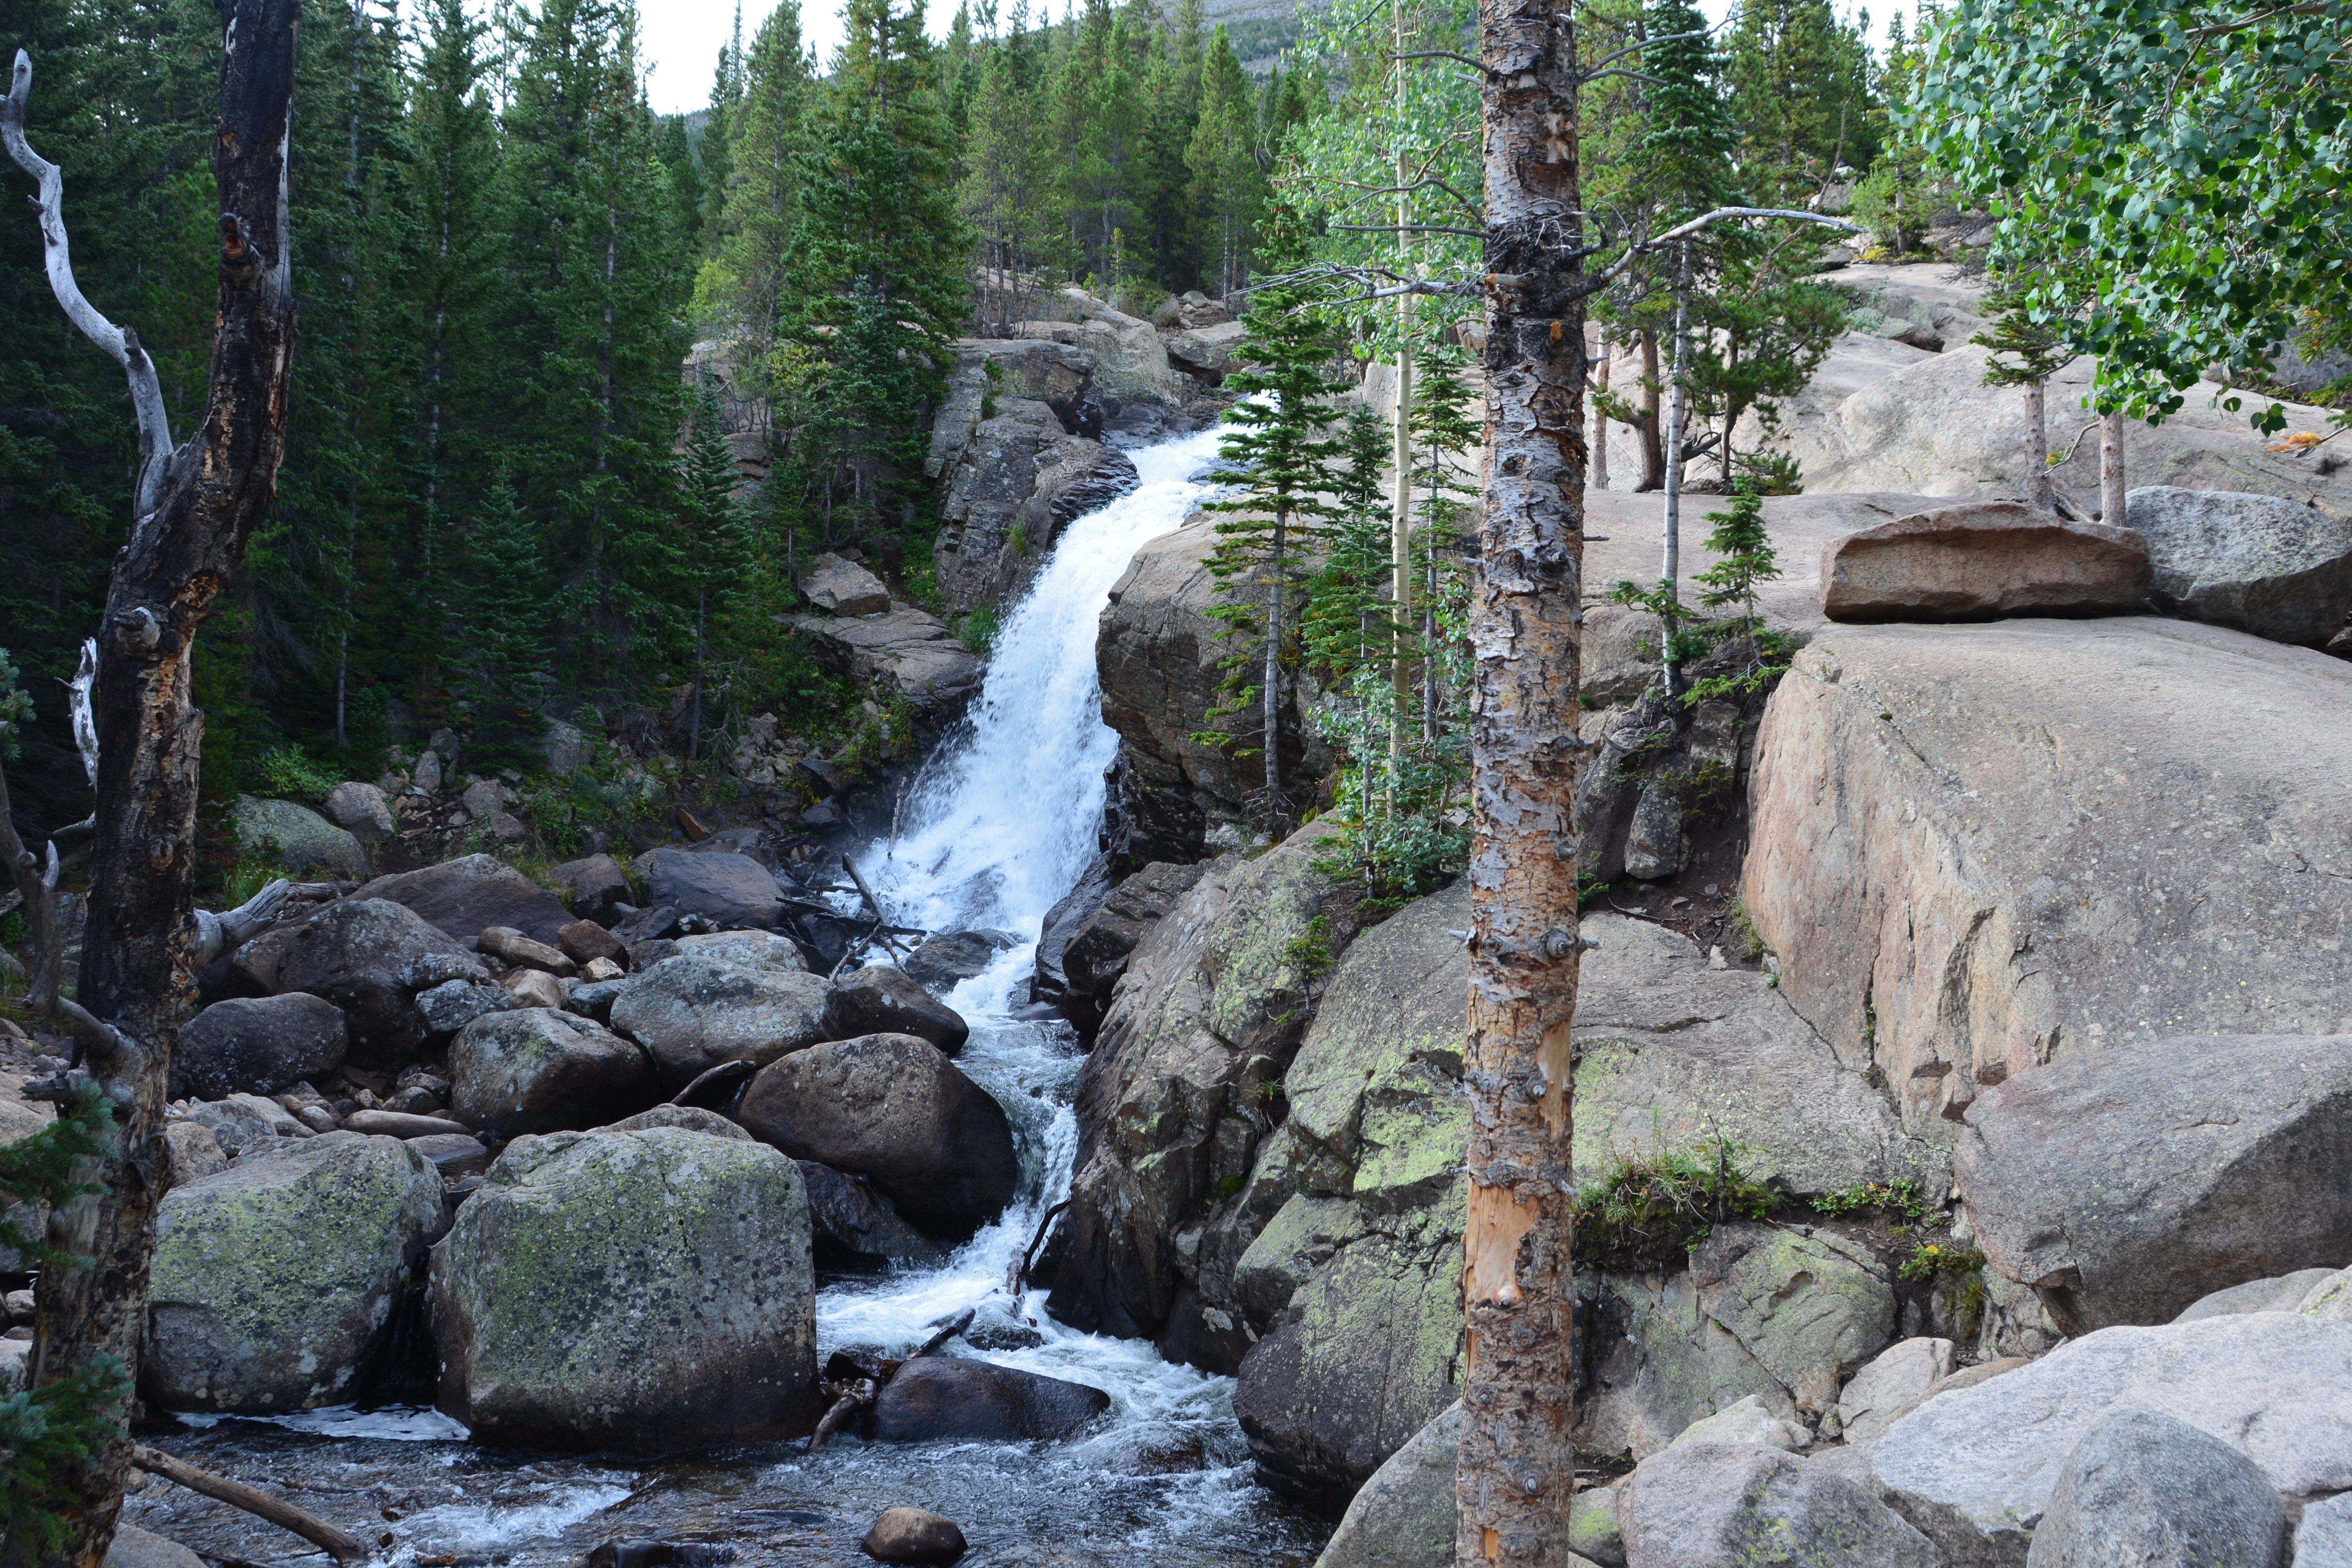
[2029, 346]
[1744, 560]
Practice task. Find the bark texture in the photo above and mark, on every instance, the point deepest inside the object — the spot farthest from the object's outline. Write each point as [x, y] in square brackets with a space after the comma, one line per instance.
[141, 945]
[1516, 1467]
[2112, 491]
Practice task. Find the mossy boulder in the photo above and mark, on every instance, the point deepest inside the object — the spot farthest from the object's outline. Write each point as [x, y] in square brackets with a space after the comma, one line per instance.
[695, 1011]
[643, 1290]
[274, 1279]
[541, 1070]
[295, 838]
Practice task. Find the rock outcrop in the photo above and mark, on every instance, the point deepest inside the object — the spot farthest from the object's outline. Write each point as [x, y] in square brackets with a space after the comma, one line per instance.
[274, 1281]
[903, 653]
[1977, 850]
[546, 1285]
[1020, 480]
[1983, 561]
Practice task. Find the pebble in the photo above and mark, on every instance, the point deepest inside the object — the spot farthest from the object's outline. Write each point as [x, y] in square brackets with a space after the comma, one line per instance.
[913, 1535]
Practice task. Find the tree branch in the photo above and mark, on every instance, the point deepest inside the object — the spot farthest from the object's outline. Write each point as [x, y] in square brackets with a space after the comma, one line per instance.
[1636, 48]
[1794, 215]
[341, 1544]
[120, 344]
[36, 885]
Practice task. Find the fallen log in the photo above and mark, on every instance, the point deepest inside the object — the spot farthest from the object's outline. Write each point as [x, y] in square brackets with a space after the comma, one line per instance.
[345, 1548]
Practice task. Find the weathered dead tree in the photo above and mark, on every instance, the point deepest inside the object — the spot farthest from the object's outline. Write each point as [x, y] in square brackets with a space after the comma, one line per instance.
[1517, 1466]
[194, 508]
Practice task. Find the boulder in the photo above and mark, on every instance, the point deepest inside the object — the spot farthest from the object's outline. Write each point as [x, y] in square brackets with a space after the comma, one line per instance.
[244, 1119]
[193, 1152]
[361, 810]
[296, 838]
[1206, 352]
[1748, 1423]
[840, 587]
[883, 999]
[1404, 1517]
[2323, 1539]
[135, 1548]
[2285, 1293]
[904, 654]
[747, 949]
[566, 749]
[690, 1118]
[454, 1004]
[913, 1535]
[2125, 1185]
[2264, 564]
[2143, 1490]
[257, 1044]
[892, 1108]
[1734, 1503]
[534, 988]
[544, 1289]
[947, 960]
[1975, 1468]
[452, 1154]
[466, 896]
[585, 941]
[950, 1399]
[692, 1012]
[538, 1070]
[1969, 868]
[723, 889]
[1983, 561]
[403, 1124]
[1080, 962]
[1018, 482]
[273, 1281]
[1893, 1385]
[595, 886]
[855, 1227]
[510, 947]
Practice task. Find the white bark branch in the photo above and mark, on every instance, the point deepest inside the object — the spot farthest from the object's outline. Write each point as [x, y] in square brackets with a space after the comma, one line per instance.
[120, 344]
[85, 726]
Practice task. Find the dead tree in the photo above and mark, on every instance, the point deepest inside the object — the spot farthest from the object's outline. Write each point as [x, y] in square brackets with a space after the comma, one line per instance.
[194, 507]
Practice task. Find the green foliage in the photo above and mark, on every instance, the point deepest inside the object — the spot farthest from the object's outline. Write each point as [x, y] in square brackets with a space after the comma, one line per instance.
[1800, 81]
[978, 632]
[16, 708]
[1746, 562]
[287, 773]
[1901, 1196]
[1650, 1212]
[1309, 952]
[1929, 1259]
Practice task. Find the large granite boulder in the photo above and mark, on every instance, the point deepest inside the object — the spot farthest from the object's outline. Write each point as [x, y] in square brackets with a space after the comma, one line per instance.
[856, 1228]
[692, 1012]
[257, 1045]
[274, 1281]
[904, 653]
[841, 587]
[2277, 568]
[1975, 1469]
[947, 959]
[892, 1108]
[1981, 561]
[595, 887]
[1755, 1507]
[951, 1399]
[2124, 1185]
[2143, 1490]
[539, 1069]
[724, 888]
[641, 1290]
[883, 999]
[1969, 866]
[746, 949]
[296, 838]
[1405, 1516]
[361, 810]
[467, 896]
[369, 957]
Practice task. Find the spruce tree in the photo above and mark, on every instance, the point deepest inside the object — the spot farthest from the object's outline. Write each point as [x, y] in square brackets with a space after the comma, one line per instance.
[1800, 92]
[1228, 188]
[1274, 454]
[1001, 190]
[503, 676]
[746, 288]
[709, 554]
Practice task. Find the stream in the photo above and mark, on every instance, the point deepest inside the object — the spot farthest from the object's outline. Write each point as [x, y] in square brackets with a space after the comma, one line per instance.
[999, 825]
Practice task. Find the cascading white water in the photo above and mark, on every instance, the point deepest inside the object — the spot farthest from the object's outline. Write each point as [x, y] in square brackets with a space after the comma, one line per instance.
[1004, 822]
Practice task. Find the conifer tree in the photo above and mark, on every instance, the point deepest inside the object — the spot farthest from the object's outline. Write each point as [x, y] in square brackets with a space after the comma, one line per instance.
[1800, 92]
[1228, 188]
[719, 136]
[1344, 599]
[1275, 453]
[503, 670]
[1000, 192]
[707, 552]
[746, 290]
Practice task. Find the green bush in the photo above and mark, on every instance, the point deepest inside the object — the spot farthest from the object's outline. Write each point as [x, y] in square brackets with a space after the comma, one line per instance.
[289, 773]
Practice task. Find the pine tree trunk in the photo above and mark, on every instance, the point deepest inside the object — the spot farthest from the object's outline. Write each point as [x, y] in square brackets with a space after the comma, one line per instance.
[1653, 450]
[1517, 1466]
[1270, 700]
[2039, 490]
[138, 947]
[1400, 514]
[2112, 493]
[694, 733]
[1599, 480]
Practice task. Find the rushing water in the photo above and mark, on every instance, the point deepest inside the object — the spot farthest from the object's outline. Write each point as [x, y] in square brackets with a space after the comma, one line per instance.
[1001, 823]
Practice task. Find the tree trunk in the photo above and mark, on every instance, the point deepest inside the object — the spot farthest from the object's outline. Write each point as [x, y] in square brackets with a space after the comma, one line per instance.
[2041, 491]
[694, 719]
[1517, 1466]
[1400, 514]
[1670, 555]
[2112, 506]
[1599, 480]
[1270, 700]
[1653, 451]
[139, 946]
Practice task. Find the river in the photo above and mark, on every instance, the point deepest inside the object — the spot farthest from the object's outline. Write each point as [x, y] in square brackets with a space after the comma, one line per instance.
[999, 825]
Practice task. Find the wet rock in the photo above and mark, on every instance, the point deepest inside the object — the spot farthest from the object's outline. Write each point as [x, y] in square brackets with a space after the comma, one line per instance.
[1405, 1516]
[1975, 1468]
[1897, 1382]
[296, 838]
[997, 1326]
[135, 1548]
[950, 958]
[260, 1044]
[1912, 831]
[1094, 952]
[913, 1535]
[2143, 1491]
[856, 1227]
[883, 999]
[584, 941]
[2262, 563]
[596, 885]
[454, 1004]
[950, 1399]
[1739, 1503]
[659, 1554]
[1019, 480]
[369, 957]
[538, 1070]
[840, 587]
[725, 890]
[466, 896]
[576, 1241]
[2125, 1185]
[892, 1108]
[274, 1279]
[692, 1012]
[361, 810]
[746, 949]
[1981, 560]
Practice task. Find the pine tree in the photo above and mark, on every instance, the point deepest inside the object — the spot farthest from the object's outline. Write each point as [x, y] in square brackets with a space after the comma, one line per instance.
[718, 137]
[709, 554]
[1344, 600]
[1228, 189]
[502, 675]
[1275, 453]
[745, 289]
[1000, 195]
[1800, 93]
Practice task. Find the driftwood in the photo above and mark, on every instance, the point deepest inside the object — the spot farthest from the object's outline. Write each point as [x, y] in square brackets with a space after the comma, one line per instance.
[345, 1548]
[851, 1394]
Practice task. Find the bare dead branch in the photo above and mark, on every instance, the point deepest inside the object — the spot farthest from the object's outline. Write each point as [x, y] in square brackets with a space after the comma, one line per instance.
[37, 887]
[1635, 49]
[341, 1544]
[120, 344]
[1793, 215]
